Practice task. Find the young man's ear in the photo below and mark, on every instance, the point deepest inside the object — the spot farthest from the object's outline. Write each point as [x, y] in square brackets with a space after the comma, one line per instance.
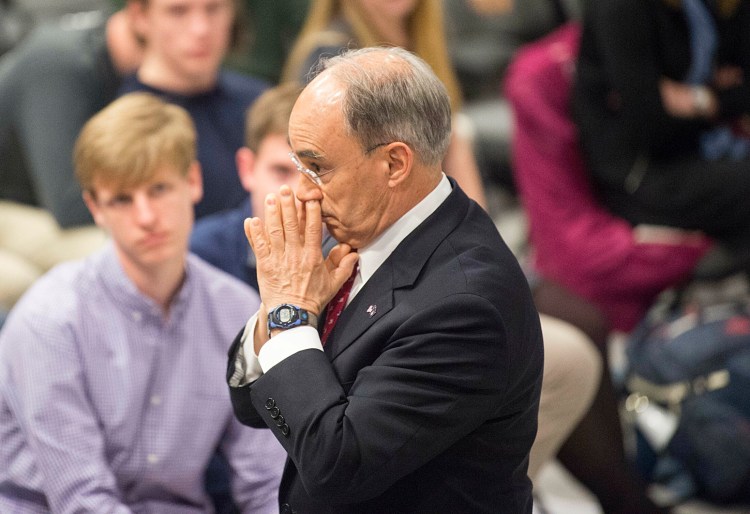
[136, 13]
[400, 161]
[245, 159]
[195, 180]
[90, 201]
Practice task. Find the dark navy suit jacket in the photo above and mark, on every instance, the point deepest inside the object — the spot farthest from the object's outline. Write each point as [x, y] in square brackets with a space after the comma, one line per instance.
[427, 394]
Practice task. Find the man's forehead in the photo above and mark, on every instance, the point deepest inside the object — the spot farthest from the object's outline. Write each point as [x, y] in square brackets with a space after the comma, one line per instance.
[116, 184]
[315, 107]
[323, 94]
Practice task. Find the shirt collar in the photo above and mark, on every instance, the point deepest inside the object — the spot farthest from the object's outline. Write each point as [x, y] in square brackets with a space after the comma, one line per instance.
[373, 255]
[138, 305]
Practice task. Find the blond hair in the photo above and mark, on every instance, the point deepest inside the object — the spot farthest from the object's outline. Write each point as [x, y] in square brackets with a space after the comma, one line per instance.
[270, 113]
[126, 143]
[426, 32]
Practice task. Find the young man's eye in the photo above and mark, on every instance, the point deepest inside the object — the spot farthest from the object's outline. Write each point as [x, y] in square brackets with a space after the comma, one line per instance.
[159, 189]
[215, 8]
[177, 10]
[120, 200]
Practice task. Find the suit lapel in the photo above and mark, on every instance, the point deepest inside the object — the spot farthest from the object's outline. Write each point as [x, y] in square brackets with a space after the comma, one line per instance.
[399, 270]
[373, 301]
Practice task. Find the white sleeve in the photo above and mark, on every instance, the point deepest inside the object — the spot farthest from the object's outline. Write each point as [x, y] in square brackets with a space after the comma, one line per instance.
[278, 348]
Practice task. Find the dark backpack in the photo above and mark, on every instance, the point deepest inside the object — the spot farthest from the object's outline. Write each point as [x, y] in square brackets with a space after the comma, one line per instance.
[690, 359]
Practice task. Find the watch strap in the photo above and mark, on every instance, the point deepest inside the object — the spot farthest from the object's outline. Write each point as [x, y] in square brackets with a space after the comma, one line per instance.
[303, 317]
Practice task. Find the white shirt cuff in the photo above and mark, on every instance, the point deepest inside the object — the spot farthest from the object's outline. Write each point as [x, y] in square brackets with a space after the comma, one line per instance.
[278, 348]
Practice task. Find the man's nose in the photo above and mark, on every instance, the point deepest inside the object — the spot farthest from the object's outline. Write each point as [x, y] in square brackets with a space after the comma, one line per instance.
[306, 190]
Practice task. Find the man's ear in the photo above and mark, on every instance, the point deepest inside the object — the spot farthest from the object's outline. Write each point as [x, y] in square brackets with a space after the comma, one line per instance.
[195, 181]
[245, 159]
[93, 207]
[400, 161]
[136, 11]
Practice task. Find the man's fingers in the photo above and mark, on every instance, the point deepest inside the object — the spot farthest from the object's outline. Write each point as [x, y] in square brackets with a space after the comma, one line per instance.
[256, 236]
[302, 219]
[313, 225]
[340, 263]
[336, 254]
[274, 227]
[344, 269]
[289, 216]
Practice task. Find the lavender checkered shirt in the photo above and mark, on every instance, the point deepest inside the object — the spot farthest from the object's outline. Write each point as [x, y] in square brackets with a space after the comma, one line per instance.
[107, 407]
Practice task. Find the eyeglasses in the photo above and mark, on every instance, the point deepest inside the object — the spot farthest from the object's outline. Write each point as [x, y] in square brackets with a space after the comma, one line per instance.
[315, 175]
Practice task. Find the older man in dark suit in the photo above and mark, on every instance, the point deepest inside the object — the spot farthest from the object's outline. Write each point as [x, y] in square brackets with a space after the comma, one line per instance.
[418, 391]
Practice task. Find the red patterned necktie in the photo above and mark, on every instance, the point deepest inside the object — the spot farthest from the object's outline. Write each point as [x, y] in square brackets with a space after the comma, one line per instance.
[336, 306]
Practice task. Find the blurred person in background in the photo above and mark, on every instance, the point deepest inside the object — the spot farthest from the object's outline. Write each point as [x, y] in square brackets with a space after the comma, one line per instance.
[416, 25]
[184, 45]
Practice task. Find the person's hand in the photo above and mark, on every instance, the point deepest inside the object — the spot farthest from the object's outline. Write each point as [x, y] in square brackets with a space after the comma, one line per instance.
[289, 257]
[686, 101]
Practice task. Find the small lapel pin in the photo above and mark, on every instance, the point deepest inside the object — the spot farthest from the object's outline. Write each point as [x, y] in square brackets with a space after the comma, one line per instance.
[372, 309]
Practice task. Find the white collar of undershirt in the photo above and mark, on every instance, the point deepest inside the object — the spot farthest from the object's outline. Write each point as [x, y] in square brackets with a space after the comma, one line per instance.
[372, 256]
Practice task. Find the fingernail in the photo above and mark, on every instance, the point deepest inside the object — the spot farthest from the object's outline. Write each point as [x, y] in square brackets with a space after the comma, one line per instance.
[270, 199]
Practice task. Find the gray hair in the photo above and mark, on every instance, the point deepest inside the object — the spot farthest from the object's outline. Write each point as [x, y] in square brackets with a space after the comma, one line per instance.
[396, 98]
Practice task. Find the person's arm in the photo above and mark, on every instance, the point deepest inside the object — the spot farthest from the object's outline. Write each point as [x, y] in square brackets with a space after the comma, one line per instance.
[460, 162]
[245, 366]
[58, 421]
[428, 388]
[257, 460]
[734, 94]
[629, 47]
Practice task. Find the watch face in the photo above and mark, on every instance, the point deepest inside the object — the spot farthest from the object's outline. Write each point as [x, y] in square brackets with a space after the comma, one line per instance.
[288, 316]
[285, 315]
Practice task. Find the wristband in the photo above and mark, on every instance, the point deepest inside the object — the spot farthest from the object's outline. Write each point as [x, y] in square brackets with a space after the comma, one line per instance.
[701, 100]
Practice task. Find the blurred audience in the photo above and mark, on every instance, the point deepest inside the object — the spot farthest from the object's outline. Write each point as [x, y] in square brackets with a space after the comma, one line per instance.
[417, 25]
[594, 270]
[272, 29]
[642, 108]
[50, 85]
[184, 43]
[130, 344]
[572, 370]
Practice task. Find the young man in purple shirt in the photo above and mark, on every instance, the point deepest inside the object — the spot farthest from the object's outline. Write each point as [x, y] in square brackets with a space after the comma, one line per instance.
[112, 396]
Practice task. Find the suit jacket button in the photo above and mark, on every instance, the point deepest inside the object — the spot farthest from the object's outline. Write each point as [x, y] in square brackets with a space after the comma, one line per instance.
[280, 421]
[270, 404]
[284, 429]
[275, 412]
[285, 509]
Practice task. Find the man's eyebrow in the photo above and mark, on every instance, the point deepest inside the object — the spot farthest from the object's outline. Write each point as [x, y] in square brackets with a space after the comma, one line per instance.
[306, 154]
[310, 154]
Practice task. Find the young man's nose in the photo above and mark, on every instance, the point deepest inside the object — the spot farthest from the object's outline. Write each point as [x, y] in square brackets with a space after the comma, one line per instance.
[143, 209]
[199, 24]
